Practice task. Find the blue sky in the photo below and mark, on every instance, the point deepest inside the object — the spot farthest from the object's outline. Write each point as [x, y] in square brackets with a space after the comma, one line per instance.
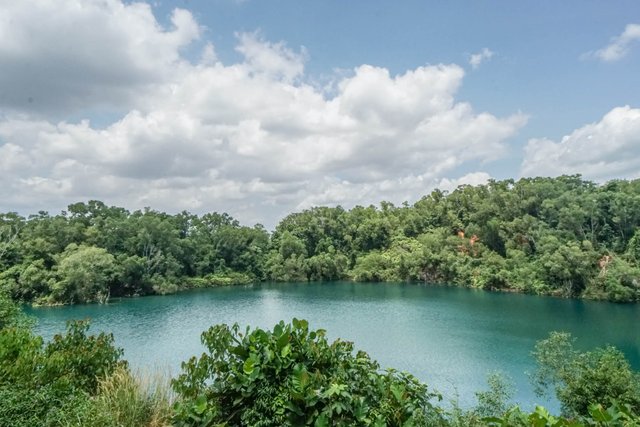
[261, 107]
[538, 46]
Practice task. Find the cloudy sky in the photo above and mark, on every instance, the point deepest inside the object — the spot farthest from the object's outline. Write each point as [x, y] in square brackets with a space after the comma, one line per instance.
[263, 107]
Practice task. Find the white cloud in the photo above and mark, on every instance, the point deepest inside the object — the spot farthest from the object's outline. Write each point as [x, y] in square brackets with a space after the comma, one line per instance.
[478, 58]
[330, 191]
[600, 151]
[72, 56]
[619, 46]
[252, 138]
[474, 178]
[274, 60]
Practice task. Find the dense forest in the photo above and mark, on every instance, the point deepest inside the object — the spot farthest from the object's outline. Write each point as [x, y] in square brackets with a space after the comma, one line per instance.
[560, 236]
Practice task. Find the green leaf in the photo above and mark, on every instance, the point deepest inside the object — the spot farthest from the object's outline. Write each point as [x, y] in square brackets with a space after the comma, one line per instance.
[397, 391]
[200, 405]
[248, 366]
[277, 330]
[321, 421]
[285, 350]
[282, 341]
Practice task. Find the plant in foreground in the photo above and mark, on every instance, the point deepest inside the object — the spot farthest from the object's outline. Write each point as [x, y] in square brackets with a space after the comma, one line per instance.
[293, 376]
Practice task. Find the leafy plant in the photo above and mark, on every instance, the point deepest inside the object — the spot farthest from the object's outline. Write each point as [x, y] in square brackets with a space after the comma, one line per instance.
[294, 376]
[584, 379]
[51, 384]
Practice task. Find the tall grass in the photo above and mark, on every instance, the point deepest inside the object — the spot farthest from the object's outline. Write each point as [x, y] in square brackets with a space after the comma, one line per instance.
[132, 400]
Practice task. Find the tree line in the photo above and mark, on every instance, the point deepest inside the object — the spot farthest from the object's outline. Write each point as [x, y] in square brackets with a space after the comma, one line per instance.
[562, 236]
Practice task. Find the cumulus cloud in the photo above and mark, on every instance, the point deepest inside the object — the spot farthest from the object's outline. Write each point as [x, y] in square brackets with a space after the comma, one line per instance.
[71, 56]
[253, 138]
[275, 60]
[619, 46]
[600, 151]
[478, 58]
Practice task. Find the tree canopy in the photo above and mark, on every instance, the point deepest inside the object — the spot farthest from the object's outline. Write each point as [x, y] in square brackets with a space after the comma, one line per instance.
[561, 236]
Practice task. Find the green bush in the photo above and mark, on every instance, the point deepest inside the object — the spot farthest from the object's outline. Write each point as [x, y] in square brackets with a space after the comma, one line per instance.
[220, 279]
[616, 415]
[10, 313]
[27, 406]
[580, 379]
[51, 384]
[294, 376]
[495, 400]
[78, 360]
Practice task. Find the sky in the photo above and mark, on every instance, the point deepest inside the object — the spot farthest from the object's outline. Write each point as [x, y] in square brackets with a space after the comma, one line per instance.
[260, 108]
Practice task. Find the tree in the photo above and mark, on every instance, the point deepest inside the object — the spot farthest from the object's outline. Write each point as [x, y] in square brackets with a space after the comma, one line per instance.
[581, 379]
[85, 275]
[10, 225]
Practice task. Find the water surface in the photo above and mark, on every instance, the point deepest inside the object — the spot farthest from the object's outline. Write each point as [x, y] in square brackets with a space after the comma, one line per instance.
[449, 337]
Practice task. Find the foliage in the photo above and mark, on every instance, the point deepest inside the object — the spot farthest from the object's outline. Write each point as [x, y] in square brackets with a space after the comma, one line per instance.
[495, 400]
[559, 236]
[616, 415]
[50, 384]
[25, 406]
[583, 379]
[293, 376]
[10, 314]
[85, 273]
[125, 400]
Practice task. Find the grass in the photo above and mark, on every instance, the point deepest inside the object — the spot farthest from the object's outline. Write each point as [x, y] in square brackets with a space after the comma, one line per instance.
[125, 399]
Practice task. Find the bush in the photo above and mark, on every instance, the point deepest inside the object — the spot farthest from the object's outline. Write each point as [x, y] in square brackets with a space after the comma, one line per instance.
[293, 376]
[51, 384]
[10, 313]
[616, 415]
[77, 360]
[495, 400]
[580, 380]
[25, 406]
[221, 279]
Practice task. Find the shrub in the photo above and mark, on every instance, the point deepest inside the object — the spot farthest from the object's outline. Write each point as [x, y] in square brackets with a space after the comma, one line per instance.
[293, 376]
[616, 415]
[580, 380]
[77, 361]
[51, 384]
[10, 313]
[495, 400]
[25, 406]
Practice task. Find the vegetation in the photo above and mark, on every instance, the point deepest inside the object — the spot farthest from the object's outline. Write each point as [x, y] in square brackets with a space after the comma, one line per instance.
[293, 376]
[554, 236]
[562, 236]
[580, 379]
[74, 380]
[290, 375]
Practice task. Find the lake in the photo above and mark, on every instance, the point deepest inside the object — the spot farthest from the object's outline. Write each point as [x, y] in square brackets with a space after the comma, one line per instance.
[448, 337]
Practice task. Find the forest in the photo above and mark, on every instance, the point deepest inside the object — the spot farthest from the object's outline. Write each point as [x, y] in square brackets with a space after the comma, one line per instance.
[563, 236]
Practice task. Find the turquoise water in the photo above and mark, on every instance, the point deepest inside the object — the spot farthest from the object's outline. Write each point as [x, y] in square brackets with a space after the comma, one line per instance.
[449, 337]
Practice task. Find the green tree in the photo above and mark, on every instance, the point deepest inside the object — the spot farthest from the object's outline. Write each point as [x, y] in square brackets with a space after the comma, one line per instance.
[582, 379]
[85, 275]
